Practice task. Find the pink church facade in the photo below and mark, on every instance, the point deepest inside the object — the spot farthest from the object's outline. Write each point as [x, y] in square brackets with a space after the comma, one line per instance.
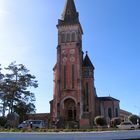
[75, 98]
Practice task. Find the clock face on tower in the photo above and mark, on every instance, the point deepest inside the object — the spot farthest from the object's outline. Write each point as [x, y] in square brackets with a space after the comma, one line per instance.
[64, 59]
[64, 56]
[69, 56]
[72, 51]
[72, 59]
[64, 52]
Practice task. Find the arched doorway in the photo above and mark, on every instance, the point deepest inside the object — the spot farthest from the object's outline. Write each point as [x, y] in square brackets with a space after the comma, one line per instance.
[70, 109]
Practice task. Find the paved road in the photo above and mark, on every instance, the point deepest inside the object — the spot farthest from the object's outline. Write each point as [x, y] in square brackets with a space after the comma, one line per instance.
[133, 134]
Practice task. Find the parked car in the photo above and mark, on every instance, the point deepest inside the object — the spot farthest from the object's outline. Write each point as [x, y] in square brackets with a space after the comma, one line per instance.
[127, 125]
[32, 124]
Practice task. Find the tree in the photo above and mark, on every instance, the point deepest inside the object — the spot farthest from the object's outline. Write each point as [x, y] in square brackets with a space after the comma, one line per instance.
[134, 119]
[100, 120]
[15, 86]
[23, 109]
[1, 75]
[3, 121]
[2, 105]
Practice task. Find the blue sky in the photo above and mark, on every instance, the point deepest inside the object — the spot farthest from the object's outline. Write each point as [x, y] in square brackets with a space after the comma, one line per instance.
[28, 35]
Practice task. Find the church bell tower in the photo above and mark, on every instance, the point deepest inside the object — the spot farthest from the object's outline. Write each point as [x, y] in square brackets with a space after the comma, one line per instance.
[68, 103]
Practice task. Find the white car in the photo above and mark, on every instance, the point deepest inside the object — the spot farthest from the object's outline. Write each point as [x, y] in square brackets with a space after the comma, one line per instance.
[127, 125]
[32, 124]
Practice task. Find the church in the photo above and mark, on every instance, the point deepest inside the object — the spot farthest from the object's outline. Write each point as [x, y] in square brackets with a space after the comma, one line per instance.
[74, 95]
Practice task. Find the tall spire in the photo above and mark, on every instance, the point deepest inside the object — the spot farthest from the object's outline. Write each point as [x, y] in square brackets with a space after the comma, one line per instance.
[70, 15]
[87, 62]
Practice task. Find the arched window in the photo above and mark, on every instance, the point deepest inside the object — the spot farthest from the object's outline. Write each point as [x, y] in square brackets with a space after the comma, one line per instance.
[86, 73]
[86, 98]
[63, 38]
[87, 90]
[58, 109]
[109, 113]
[73, 76]
[68, 12]
[68, 37]
[116, 112]
[73, 37]
[65, 76]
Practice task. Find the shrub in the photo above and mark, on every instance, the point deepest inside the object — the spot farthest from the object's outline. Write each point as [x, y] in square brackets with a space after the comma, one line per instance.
[100, 120]
[115, 121]
[3, 121]
[134, 119]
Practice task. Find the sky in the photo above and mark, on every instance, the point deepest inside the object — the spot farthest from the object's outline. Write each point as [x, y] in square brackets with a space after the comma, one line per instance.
[28, 35]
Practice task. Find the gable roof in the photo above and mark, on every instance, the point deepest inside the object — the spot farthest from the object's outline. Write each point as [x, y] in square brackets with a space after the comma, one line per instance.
[107, 98]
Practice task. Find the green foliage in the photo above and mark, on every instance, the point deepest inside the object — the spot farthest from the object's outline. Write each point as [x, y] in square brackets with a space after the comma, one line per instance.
[134, 119]
[15, 88]
[115, 121]
[100, 120]
[57, 130]
[23, 108]
[2, 107]
[1, 75]
[3, 121]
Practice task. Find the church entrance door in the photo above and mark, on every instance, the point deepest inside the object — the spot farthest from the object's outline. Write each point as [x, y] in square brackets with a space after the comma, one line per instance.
[70, 110]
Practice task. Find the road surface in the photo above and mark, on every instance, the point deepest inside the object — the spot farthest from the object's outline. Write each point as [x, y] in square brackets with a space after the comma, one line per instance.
[115, 135]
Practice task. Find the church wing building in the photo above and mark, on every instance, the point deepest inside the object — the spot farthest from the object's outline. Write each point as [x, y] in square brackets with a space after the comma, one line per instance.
[74, 97]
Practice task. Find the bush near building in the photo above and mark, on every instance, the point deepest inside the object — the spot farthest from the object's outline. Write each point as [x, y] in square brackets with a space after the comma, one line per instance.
[3, 121]
[115, 121]
[100, 121]
[134, 119]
